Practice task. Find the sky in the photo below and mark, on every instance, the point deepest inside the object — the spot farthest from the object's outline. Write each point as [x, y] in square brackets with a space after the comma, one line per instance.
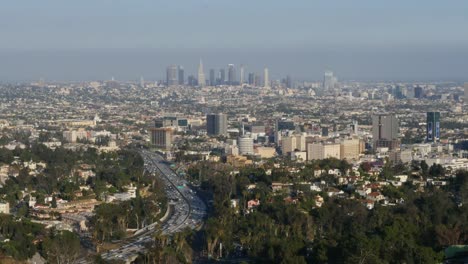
[359, 39]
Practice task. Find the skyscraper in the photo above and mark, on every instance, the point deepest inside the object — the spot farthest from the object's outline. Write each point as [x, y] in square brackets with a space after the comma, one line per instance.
[222, 76]
[181, 77]
[216, 124]
[328, 80]
[289, 83]
[251, 78]
[172, 75]
[212, 77]
[231, 74]
[241, 81]
[433, 126]
[201, 75]
[266, 78]
[418, 92]
[384, 128]
[142, 82]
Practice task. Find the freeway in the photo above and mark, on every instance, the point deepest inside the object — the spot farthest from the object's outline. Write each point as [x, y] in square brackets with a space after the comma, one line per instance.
[187, 210]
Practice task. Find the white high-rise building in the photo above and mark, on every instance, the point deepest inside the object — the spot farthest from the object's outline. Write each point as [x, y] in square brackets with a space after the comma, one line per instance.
[266, 78]
[329, 80]
[246, 145]
[201, 75]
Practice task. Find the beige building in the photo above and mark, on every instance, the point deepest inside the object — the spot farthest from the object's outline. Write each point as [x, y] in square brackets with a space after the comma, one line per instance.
[265, 152]
[162, 137]
[288, 144]
[317, 151]
[350, 148]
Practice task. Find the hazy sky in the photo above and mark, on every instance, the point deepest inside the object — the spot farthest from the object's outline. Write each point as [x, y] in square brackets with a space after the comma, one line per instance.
[359, 39]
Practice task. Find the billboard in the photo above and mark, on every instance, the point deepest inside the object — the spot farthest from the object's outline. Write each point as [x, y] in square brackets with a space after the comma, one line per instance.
[429, 131]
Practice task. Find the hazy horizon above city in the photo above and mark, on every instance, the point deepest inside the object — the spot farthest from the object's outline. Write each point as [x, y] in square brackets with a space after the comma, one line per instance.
[358, 40]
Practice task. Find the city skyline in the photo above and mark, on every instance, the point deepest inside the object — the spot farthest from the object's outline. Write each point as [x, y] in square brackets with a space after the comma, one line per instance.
[365, 40]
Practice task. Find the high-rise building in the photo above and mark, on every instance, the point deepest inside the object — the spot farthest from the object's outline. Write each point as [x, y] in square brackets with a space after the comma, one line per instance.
[418, 92]
[246, 145]
[142, 82]
[350, 148]
[201, 75]
[384, 127]
[231, 74]
[162, 137]
[216, 124]
[181, 77]
[288, 144]
[329, 80]
[433, 126]
[266, 78]
[172, 75]
[289, 82]
[222, 77]
[251, 78]
[212, 78]
[241, 81]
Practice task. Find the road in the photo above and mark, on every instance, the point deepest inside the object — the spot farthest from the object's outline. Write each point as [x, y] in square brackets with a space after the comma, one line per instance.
[188, 210]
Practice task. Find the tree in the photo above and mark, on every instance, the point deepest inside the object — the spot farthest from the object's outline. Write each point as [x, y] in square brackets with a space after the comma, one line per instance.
[62, 247]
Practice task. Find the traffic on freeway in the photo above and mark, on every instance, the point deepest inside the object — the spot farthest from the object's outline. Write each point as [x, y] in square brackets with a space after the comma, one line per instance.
[186, 209]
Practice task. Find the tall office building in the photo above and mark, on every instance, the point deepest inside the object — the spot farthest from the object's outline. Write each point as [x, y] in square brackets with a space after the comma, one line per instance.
[418, 92]
[433, 126]
[162, 137]
[181, 77]
[142, 82]
[212, 78]
[172, 75]
[201, 75]
[241, 81]
[246, 145]
[222, 76]
[231, 74]
[266, 78]
[251, 78]
[384, 129]
[216, 124]
[289, 82]
[329, 80]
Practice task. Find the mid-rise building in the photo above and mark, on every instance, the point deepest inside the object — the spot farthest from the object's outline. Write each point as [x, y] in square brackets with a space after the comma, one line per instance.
[318, 151]
[162, 137]
[349, 148]
[288, 144]
[246, 145]
[384, 128]
[216, 124]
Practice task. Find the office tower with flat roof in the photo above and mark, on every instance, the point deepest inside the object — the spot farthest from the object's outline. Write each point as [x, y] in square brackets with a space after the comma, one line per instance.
[266, 78]
[418, 92]
[245, 145]
[216, 124]
[231, 74]
[212, 77]
[433, 126]
[181, 77]
[384, 130]
[222, 77]
[201, 75]
[172, 75]
[241, 80]
[289, 82]
[251, 78]
[162, 137]
[329, 80]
